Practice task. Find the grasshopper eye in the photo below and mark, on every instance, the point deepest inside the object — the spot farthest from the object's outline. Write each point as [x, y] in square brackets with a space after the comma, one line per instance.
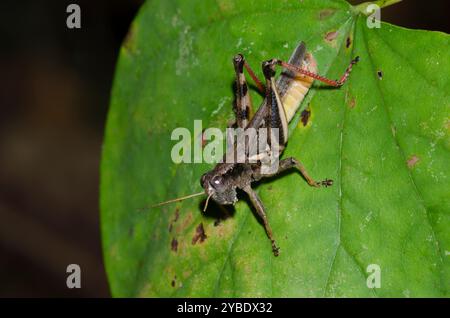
[217, 181]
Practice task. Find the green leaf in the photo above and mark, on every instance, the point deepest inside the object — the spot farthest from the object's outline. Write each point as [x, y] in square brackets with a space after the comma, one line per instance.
[362, 7]
[383, 138]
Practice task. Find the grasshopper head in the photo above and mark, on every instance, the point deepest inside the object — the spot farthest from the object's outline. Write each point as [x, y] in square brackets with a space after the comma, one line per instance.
[219, 187]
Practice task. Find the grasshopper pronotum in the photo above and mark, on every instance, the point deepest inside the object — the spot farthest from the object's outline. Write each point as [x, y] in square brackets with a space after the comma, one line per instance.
[282, 100]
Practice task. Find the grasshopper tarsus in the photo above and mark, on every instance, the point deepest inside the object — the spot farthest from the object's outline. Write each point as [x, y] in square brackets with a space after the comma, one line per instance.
[326, 183]
[275, 249]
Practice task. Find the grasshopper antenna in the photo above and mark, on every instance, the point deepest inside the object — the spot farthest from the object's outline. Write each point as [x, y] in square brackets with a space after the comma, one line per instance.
[176, 199]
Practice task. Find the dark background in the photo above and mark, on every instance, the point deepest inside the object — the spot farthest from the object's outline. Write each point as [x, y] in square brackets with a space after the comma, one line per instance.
[54, 92]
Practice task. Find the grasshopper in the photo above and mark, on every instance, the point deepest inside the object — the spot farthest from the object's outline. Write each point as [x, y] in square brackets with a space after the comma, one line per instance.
[282, 99]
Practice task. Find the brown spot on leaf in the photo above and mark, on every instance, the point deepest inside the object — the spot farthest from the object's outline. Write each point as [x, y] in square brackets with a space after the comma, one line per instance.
[330, 36]
[380, 75]
[226, 6]
[326, 13]
[304, 117]
[174, 245]
[199, 235]
[352, 102]
[187, 273]
[175, 218]
[412, 161]
[186, 222]
[348, 42]
[447, 124]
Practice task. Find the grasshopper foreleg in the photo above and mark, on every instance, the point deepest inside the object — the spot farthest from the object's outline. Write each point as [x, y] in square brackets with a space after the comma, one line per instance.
[284, 165]
[259, 207]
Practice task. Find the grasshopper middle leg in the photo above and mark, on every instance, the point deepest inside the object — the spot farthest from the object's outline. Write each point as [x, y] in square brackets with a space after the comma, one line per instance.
[243, 108]
[284, 165]
[290, 163]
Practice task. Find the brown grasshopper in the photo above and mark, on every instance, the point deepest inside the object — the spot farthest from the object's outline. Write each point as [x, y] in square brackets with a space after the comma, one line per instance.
[282, 99]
